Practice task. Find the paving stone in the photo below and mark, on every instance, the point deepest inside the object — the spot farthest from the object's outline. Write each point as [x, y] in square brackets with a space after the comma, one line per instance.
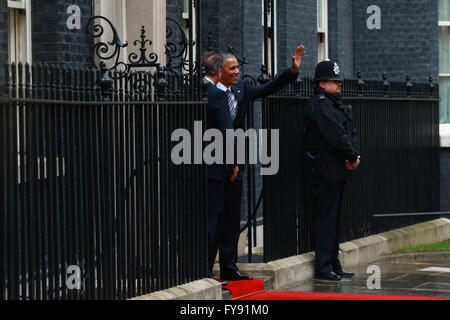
[400, 277]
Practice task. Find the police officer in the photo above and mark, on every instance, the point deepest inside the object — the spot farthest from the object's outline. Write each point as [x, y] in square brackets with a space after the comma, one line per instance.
[331, 154]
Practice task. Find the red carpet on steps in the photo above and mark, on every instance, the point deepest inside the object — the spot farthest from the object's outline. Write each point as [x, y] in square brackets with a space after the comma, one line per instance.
[254, 290]
[243, 288]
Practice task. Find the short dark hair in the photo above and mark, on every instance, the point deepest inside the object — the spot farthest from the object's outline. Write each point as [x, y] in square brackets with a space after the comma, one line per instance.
[212, 61]
[228, 55]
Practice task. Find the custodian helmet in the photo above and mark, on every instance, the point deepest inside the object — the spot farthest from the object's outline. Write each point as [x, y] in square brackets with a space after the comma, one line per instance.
[327, 70]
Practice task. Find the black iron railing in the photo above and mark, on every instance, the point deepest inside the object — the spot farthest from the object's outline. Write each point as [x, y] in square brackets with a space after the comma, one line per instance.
[398, 125]
[88, 188]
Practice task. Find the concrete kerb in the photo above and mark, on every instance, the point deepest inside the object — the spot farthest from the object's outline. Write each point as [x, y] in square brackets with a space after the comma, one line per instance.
[205, 289]
[290, 271]
[422, 233]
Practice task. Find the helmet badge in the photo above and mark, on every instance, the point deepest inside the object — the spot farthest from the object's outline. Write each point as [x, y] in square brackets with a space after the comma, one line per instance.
[336, 69]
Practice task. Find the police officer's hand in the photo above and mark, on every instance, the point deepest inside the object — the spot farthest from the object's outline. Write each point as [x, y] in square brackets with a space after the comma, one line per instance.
[235, 173]
[353, 166]
[297, 58]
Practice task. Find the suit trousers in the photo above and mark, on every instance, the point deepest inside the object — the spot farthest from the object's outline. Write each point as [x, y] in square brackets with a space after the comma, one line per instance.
[224, 218]
[327, 206]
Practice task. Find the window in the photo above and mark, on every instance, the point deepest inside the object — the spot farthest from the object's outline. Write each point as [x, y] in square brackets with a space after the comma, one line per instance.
[128, 18]
[444, 60]
[116, 12]
[19, 35]
[322, 30]
[187, 4]
[185, 9]
[271, 61]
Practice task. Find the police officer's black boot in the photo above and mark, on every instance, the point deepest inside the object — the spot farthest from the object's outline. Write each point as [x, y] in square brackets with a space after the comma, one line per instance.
[330, 276]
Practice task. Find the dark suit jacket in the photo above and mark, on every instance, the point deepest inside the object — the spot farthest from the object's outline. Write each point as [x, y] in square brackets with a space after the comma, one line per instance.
[218, 117]
[246, 93]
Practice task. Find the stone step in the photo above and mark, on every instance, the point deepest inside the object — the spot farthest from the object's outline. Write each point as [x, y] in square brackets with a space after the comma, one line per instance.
[226, 294]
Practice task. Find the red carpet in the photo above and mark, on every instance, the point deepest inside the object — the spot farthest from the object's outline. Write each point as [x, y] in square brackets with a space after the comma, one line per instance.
[329, 296]
[254, 290]
[240, 289]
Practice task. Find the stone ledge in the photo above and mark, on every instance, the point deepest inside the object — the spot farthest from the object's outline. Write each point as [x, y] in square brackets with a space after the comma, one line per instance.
[362, 250]
[205, 289]
[422, 233]
[368, 249]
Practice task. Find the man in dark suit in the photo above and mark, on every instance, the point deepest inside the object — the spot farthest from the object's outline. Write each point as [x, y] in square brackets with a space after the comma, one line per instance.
[219, 174]
[239, 96]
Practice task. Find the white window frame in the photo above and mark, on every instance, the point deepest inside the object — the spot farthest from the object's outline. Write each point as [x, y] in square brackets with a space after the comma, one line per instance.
[322, 30]
[185, 10]
[273, 11]
[120, 13]
[445, 23]
[19, 45]
[116, 11]
[186, 26]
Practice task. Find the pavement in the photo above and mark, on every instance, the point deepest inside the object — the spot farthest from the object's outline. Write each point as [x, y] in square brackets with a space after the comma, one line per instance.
[424, 274]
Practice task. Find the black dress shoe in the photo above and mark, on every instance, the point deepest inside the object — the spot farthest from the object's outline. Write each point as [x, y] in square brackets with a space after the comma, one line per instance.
[345, 274]
[234, 276]
[330, 276]
[211, 276]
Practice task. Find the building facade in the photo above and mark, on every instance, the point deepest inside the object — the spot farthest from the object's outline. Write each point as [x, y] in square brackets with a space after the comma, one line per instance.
[364, 36]
[372, 37]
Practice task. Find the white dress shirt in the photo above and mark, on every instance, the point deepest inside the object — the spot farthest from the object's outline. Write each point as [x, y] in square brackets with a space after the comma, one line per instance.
[210, 81]
[223, 88]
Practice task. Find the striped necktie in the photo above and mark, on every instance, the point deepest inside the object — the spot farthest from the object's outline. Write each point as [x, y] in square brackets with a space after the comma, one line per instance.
[231, 105]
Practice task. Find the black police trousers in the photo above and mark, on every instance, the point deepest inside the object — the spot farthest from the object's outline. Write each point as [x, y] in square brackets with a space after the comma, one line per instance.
[327, 206]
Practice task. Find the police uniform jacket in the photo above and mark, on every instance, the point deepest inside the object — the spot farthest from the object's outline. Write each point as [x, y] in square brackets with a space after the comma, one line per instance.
[330, 139]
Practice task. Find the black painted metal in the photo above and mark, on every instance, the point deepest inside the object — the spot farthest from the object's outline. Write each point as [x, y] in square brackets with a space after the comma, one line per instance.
[91, 184]
[86, 175]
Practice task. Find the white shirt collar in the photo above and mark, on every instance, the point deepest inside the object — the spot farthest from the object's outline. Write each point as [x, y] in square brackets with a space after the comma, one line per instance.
[210, 80]
[222, 87]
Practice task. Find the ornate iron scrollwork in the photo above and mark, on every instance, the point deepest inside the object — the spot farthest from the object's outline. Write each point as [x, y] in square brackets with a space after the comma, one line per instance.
[111, 51]
[102, 50]
[177, 50]
[106, 56]
[142, 60]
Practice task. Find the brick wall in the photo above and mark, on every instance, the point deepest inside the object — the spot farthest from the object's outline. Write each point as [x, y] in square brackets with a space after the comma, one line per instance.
[223, 18]
[174, 9]
[297, 24]
[253, 46]
[340, 35]
[3, 40]
[406, 43]
[52, 41]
